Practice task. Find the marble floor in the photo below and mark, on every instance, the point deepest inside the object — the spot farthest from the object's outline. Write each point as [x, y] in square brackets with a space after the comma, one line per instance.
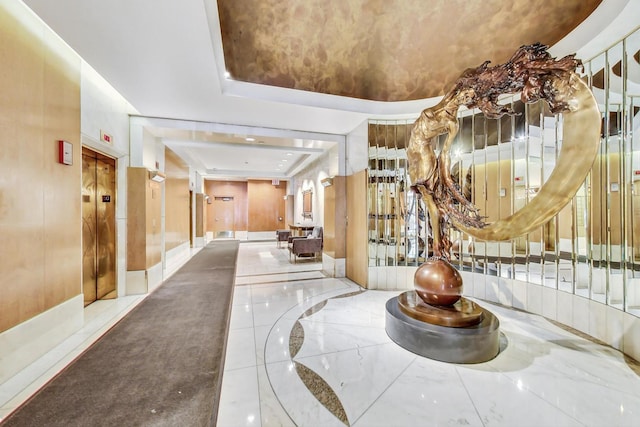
[308, 350]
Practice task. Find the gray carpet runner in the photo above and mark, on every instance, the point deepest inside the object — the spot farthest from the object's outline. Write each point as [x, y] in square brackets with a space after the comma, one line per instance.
[161, 365]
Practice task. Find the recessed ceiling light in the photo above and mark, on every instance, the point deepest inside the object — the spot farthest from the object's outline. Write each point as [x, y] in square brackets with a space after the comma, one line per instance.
[289, 154]
[285, 160]
[250, 139]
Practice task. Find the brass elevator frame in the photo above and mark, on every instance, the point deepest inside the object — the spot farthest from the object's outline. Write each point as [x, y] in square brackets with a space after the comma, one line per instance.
[98, 226]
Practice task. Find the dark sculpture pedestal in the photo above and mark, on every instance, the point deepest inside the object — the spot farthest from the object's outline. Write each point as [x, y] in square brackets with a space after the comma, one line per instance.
[476, 343]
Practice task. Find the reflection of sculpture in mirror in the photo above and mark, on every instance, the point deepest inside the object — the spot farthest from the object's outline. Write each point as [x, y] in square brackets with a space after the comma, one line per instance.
[307, 208]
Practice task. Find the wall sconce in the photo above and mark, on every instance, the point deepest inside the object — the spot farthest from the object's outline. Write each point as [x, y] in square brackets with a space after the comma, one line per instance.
[156, 176]
[326, 182]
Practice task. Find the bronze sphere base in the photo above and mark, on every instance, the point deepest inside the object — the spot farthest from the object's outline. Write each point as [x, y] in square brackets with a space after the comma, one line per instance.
[437, 282]
[459, 315]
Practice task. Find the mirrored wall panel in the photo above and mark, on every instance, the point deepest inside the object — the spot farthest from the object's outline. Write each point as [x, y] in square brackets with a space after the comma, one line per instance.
[591, 248]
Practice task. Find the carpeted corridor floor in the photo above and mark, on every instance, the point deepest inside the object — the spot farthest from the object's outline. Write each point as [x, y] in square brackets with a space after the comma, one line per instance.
[161, 365]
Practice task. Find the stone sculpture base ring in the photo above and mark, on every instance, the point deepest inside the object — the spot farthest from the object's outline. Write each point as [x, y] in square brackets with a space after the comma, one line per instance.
[472, 344]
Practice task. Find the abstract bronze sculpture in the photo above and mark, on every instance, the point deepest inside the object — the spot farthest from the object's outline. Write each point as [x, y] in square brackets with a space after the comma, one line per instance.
[435, 320]
[532, 72]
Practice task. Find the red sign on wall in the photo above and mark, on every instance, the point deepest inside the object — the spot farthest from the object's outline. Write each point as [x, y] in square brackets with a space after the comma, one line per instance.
[105, 137]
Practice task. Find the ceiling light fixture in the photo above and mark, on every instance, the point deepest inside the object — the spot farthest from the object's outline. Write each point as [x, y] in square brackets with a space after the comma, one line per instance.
[249, 139]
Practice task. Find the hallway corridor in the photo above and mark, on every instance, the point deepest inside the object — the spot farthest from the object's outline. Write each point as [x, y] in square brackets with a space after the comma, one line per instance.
[304, 349]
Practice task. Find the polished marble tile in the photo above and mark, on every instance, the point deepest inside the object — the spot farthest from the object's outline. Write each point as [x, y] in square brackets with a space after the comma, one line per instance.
[260, 335]
[546, 375]
[365, 311]
[267, 313]
[500, 401]
[303, 408]
[358, 377]
[241, 295]
[241, 316]
[426, 393]
[631, 337]
[241, 349]
[276, 346]
[279, 277]
[277, 343]
[580, 320]
[239, 399]
[296, 291]
[534, 298]
[583, 395]
[272, 413]
[266, 258]
[331, 337]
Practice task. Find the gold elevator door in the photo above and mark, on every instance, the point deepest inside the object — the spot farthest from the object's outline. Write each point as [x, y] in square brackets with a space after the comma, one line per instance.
[98, 226]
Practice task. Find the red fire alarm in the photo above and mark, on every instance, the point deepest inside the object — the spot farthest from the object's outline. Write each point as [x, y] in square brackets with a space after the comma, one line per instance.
[65, 152]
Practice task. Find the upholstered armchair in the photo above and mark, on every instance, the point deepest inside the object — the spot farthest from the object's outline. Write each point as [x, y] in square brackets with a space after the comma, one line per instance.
[306, 246]
[282, 236]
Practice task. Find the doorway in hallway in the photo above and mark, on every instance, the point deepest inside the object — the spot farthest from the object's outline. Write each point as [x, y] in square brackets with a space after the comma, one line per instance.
[223, 210]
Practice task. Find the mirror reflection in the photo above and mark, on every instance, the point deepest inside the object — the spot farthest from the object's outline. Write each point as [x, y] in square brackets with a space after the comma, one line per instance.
[307, 208]
[591, 248]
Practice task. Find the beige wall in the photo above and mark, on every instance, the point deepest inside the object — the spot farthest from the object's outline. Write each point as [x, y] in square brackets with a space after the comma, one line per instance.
[598, 208]
[487, 197]
[257, 204]
[357, 223]
[176, 210]
[40, 215]
[235, 189]
[335, 214]
[487, 180]
[266, 205]
[144, 202]
[200, 206]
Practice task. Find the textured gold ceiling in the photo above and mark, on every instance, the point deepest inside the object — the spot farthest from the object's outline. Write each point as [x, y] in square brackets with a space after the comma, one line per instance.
[383, 50]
